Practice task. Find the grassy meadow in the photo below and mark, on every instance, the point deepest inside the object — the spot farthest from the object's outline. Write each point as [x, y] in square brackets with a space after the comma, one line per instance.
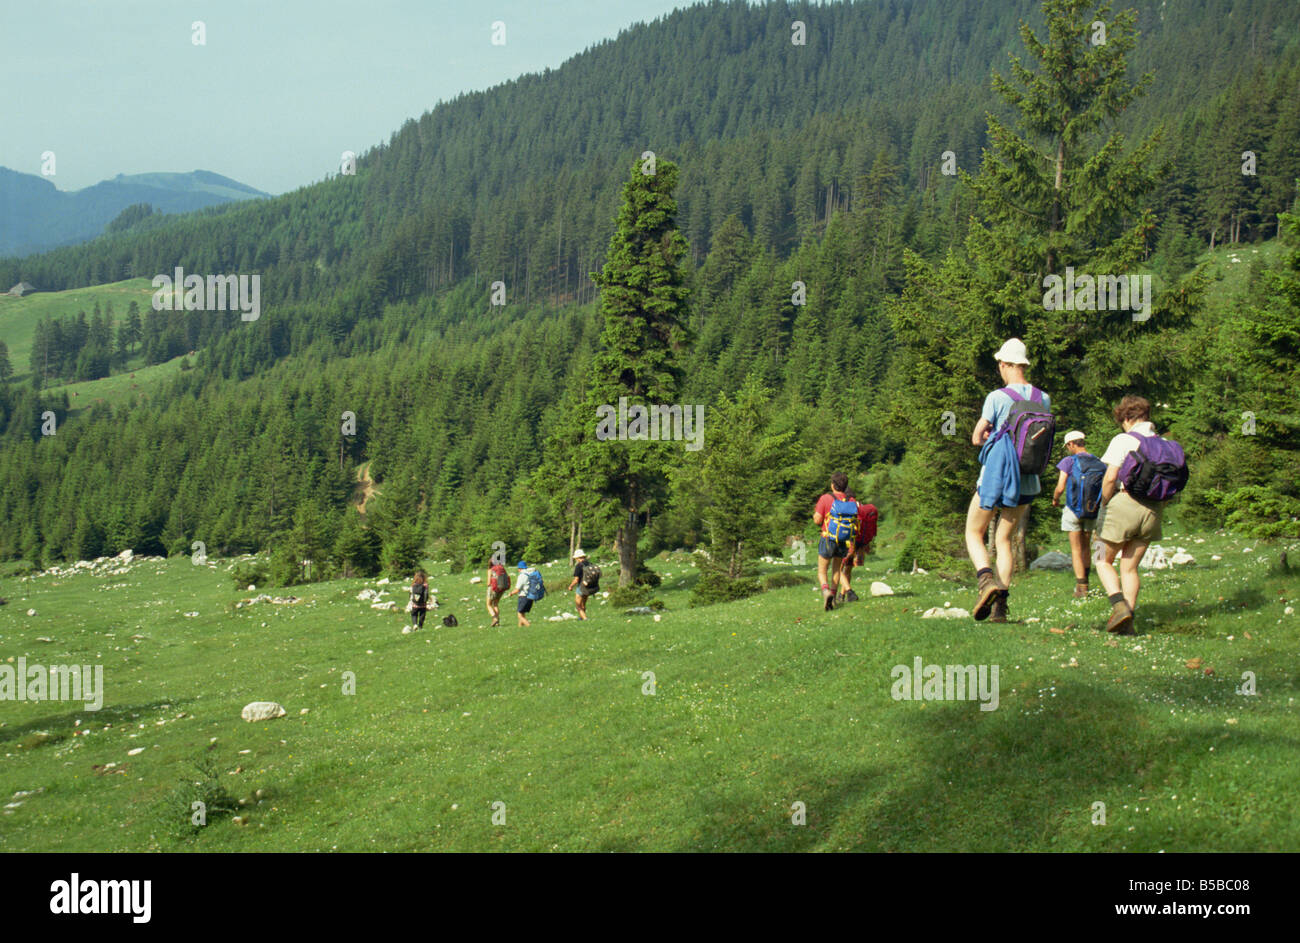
[757, 705]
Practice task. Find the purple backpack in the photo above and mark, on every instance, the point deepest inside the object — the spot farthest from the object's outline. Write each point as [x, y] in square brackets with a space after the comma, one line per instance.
[1156, 470]
[1032, 428]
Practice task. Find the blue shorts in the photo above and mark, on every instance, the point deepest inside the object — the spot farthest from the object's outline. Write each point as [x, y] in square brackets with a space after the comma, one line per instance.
[525, 604]
[829, 548]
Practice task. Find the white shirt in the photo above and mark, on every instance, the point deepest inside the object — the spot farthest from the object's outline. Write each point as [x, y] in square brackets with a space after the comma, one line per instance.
[521, 584]
[1124, 443]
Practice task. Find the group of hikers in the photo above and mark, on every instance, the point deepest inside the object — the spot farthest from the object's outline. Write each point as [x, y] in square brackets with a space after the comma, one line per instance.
[529, 587]
[1118, 498]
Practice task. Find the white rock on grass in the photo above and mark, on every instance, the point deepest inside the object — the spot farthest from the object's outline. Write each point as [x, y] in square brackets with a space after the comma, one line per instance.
[383, 582]
[1154, 559]
[476, 579]
[951, 613]
[261, 710]
[389, 606]
[1179, 558]
[881, 589]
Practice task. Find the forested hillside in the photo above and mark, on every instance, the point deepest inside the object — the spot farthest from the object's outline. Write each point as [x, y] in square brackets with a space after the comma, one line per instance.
[819, 164]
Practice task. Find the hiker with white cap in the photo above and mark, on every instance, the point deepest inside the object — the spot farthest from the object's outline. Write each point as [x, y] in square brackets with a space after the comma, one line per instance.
[586, 577]
[1079, 479]
[1014, 434]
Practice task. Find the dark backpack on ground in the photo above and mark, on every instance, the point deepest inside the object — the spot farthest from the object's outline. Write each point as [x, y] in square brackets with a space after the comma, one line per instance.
[536, 588]
[1032, 428]
[1083, 486]
[500, 581]
[1156, 470]
[842, 521]
[450, 621]
[590, 576]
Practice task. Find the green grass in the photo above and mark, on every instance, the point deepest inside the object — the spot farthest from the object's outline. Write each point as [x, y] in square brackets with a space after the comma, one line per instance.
[122, 389]
[19, 316]
[759, 704]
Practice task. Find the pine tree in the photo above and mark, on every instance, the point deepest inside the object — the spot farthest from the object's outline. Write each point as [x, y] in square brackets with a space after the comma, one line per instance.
[644, 303]
[1061, 190]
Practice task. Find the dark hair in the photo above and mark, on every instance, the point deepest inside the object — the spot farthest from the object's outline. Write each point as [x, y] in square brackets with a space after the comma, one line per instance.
[421, 576]
[839, 481]
[1132, 407]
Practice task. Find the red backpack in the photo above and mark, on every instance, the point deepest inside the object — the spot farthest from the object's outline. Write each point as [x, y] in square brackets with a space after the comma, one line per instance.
[868, 523]
[500, 581]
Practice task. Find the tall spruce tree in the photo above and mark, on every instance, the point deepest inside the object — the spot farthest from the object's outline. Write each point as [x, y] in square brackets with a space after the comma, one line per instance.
[644, 303]
[1058, 194]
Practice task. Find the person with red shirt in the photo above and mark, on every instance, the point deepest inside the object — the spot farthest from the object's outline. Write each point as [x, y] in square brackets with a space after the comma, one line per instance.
[832, 515]
[867, 515]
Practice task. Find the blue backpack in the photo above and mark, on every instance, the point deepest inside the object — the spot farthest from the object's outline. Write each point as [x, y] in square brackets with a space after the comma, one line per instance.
[536, 588]
[842, 522]
[1083, 486]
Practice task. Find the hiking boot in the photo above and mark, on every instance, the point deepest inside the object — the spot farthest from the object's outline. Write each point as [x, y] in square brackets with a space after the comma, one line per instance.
[998, 612]
[1080, 590]
[828, 600]
[851, 596]
[989, 590]
[1121, 619]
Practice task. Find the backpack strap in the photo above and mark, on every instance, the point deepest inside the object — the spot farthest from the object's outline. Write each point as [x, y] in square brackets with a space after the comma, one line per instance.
[1035, 394]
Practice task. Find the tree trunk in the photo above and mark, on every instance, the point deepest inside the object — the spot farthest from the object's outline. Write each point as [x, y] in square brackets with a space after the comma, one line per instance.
[627, 539]
[1018, 543]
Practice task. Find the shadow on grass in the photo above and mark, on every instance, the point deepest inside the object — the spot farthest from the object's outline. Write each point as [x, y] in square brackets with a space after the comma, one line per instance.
[60, 726]
[1180, 611]
[1015, 779]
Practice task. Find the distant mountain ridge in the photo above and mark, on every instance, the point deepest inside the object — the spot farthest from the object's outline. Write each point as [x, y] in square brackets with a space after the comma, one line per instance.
[35, 215]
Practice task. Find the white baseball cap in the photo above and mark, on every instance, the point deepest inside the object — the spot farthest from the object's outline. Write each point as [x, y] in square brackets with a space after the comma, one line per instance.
[1013, 351]
[1074, 436]
[579, 553]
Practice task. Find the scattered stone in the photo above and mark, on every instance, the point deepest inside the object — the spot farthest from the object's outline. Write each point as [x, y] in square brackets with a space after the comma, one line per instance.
[384, 582]
[31, 612]
[476, 579]
[881, 589]
[639, 611]
[137, 751]
[949, 613]
[1194, 663]
[1056, 631]
[126, 555]
[1052, 560]
[261, 710]
[252, 587]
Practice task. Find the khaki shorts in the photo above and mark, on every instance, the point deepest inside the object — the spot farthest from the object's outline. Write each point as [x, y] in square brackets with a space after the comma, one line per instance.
[1072, 522]
[1125, 518]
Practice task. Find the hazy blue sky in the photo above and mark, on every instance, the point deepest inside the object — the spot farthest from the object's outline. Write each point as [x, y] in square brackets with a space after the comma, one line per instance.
[279, 91]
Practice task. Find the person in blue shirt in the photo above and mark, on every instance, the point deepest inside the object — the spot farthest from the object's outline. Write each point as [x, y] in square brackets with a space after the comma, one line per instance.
[993, 590]
[1078, 529]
